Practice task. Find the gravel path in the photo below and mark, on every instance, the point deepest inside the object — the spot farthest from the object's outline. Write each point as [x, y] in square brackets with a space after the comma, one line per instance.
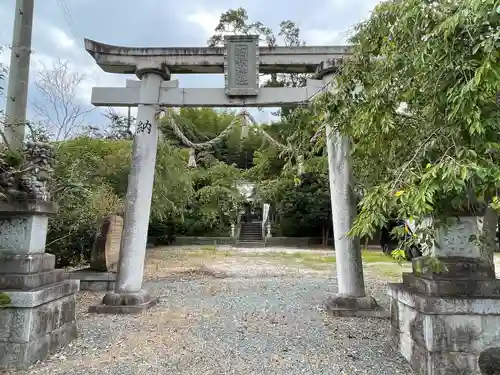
[262, 318]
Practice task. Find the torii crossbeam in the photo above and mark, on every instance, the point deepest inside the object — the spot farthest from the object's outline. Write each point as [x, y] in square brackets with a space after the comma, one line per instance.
[241, 60]
[171, 95]
[212, 60]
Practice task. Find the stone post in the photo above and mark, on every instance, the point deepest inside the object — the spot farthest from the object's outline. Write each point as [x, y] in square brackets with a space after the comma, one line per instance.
[129, 297]
[351, 299]
[300, 165]
[233, 231]
[446, 317]
[101, 275]
[269, 230]
[17, 91]
[37, 305]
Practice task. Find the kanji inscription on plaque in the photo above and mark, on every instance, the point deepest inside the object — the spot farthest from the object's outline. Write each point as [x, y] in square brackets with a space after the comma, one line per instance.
[241, 65]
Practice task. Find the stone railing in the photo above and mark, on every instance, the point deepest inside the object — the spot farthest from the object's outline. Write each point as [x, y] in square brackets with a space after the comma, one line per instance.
[265, 220]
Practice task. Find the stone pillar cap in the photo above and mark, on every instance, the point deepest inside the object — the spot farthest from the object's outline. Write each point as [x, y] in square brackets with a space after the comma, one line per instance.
[33, 207]
[329, 66]
[151, 67]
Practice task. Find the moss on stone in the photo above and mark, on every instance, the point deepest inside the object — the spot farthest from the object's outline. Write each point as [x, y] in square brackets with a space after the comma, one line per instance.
[4, 299]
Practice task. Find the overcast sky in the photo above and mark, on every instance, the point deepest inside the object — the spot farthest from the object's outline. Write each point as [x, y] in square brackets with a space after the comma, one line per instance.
[60, 26]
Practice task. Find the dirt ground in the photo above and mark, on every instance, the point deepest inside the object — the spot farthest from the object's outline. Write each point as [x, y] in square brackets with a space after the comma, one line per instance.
[234, 312]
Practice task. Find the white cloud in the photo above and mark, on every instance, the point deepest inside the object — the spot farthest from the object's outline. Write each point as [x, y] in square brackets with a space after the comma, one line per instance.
[322, 37]
[60, 38]
[337, 4]
[191, 23]
[5, 57]
[78, 61]
[207, 21]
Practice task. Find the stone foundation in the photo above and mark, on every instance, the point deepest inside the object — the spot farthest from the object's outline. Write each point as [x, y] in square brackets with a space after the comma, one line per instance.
[35, 332]
[37, 302]
[443, 320]
[36, 323]
[445, 316]
[443, 336]
[355, 307]
[124, 303]
[92, 280]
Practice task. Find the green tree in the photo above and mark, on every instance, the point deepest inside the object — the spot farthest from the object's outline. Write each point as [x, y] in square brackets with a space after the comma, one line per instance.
[172, 193]
[300, 203]
[94, 162]
[95, 172]
[200, 125]
[300, 200]
[216, 200]
[93, 175]
[419, 98]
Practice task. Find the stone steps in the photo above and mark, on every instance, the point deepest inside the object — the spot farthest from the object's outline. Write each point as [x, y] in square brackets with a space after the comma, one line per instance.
[251, 233]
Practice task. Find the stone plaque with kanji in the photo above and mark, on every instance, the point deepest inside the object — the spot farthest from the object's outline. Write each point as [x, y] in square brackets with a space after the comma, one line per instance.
[106, 249]
[241, 65]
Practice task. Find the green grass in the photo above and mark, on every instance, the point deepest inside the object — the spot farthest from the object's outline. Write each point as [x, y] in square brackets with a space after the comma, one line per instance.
[302, 258]
[303, 255]
[368, 256]
[374, 261]
[311, 260]
[375, 256]
[206, 251]
[380, 263]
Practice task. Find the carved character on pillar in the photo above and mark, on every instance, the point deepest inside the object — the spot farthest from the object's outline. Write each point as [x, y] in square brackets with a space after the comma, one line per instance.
[144, 127]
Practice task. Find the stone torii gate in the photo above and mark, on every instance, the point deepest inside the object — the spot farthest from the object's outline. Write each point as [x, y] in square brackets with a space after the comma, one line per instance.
[241, 60]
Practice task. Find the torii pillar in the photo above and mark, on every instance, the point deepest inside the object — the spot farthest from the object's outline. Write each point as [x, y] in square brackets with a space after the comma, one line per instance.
[351, 299]
[128, 296]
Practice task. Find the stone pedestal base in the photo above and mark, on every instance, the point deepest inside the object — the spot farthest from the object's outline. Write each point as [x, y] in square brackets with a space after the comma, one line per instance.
[37, 322]
[37, 303]
[355, 307]
[92, 280]
[37, 315]
[124, 303]
[443, 335]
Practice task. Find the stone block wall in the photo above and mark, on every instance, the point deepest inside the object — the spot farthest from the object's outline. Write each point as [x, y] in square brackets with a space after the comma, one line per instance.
[445, 319]
[443, 336]
[293, 241]
[180, 241]
[302, 242]
[37, 312]
[35, 324]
